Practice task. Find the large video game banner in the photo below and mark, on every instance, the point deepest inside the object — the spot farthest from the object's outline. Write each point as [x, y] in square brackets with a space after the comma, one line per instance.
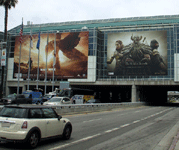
[137, 53]
[68, 60]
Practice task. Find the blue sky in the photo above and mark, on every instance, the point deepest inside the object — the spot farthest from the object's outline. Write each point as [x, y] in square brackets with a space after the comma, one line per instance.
[38, 11]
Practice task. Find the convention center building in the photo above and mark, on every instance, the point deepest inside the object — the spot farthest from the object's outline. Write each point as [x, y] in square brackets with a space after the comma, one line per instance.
[122, 59]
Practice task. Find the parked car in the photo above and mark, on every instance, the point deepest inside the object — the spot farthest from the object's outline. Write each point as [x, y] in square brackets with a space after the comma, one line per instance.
[47, 97]
[31, 124]
[58, 101]
[15, 99]
[91, 101]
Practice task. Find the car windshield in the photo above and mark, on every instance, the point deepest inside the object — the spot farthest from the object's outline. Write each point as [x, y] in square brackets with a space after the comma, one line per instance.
[26, 95]
[54, 99]
[48, 96]
[13, 112]
[64, 93]
[11, 96]
[91, 101]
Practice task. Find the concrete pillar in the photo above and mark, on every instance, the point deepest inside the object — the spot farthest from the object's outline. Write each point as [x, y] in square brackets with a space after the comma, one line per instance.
[134, 93]
[7, 91]
[24, 88]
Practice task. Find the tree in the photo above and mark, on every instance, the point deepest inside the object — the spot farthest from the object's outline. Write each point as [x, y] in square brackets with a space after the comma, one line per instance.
[7, 5]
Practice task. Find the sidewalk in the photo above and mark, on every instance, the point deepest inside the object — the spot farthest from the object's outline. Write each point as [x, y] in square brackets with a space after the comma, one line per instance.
[171, 140]
[177, 146]
[175, 142]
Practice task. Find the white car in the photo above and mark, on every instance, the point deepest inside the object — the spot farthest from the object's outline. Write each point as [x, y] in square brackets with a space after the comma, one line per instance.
[47, 97]
[31, 124]
[58, 101]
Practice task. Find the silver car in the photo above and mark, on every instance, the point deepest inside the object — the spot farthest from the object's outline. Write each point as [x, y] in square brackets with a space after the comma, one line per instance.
[58, 101]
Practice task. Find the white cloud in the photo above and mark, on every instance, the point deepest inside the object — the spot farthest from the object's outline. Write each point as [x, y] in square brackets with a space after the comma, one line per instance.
[38, 11]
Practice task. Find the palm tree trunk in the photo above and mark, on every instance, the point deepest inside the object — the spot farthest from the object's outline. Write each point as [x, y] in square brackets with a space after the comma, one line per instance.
[5, 40]
[5, 20]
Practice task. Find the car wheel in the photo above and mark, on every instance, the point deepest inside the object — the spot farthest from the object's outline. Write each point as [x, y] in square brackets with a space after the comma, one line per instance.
[33, 139]
[67, 132]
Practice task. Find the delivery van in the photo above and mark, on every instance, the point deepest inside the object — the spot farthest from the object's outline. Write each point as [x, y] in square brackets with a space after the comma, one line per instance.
[36, 96]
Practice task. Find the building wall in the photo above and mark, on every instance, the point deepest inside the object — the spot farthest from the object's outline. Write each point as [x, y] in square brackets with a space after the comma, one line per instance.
[99, 32]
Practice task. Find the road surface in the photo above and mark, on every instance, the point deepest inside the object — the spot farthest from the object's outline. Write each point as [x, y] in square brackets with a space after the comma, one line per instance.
[139, 128]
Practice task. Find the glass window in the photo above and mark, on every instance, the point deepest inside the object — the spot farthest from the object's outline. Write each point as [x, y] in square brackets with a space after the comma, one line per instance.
[49, 113]
[56, 99]
[66, 99]
[90, 40]
[11, 55]
[13, 112]
[36, 113]
[11, 96]
[168, 46]
[90, 33]
[90, 46]
[90, 52]
[172, 52]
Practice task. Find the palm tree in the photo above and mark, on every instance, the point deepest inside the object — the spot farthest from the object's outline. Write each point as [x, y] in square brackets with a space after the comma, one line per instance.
[7, 5]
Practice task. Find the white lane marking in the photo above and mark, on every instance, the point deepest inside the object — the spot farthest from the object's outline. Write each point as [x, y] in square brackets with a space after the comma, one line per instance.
[121, 114]
[90, 137]
[138, 111]
[112, 130]
[125, 125]
[108, 131]
[92, 120]
[136, 121]
[155, 114]
[144, 110]
[75, 142]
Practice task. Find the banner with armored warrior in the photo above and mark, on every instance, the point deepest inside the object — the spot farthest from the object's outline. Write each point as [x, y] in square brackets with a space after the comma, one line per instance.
[137, 53]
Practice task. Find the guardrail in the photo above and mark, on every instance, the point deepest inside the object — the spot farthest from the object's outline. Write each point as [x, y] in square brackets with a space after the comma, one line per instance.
[86, 108]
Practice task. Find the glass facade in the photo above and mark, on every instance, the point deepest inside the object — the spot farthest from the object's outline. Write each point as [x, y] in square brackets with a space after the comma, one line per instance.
[98, 39]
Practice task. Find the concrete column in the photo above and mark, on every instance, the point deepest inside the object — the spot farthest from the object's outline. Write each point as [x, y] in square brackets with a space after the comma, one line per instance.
[7, 90]
[24, 88]
[134, 93]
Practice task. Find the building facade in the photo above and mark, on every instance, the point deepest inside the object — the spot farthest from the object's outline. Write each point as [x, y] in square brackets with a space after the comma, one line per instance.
[122, 59]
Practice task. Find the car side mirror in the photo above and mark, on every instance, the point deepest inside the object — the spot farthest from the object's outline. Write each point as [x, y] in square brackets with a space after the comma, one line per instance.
[59, 117]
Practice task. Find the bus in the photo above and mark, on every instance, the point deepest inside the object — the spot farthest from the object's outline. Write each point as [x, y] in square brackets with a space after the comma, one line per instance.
[77, 95]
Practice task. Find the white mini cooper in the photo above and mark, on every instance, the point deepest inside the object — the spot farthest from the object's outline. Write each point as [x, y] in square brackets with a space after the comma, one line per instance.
[32, 123]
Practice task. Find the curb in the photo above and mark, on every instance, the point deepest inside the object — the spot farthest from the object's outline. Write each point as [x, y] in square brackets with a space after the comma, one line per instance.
[174, 143]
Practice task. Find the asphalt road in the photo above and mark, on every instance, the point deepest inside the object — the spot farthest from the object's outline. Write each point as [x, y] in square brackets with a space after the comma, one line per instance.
[140, 128]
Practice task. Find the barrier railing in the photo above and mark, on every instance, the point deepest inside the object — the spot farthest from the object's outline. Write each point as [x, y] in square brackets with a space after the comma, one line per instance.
[85, 108]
